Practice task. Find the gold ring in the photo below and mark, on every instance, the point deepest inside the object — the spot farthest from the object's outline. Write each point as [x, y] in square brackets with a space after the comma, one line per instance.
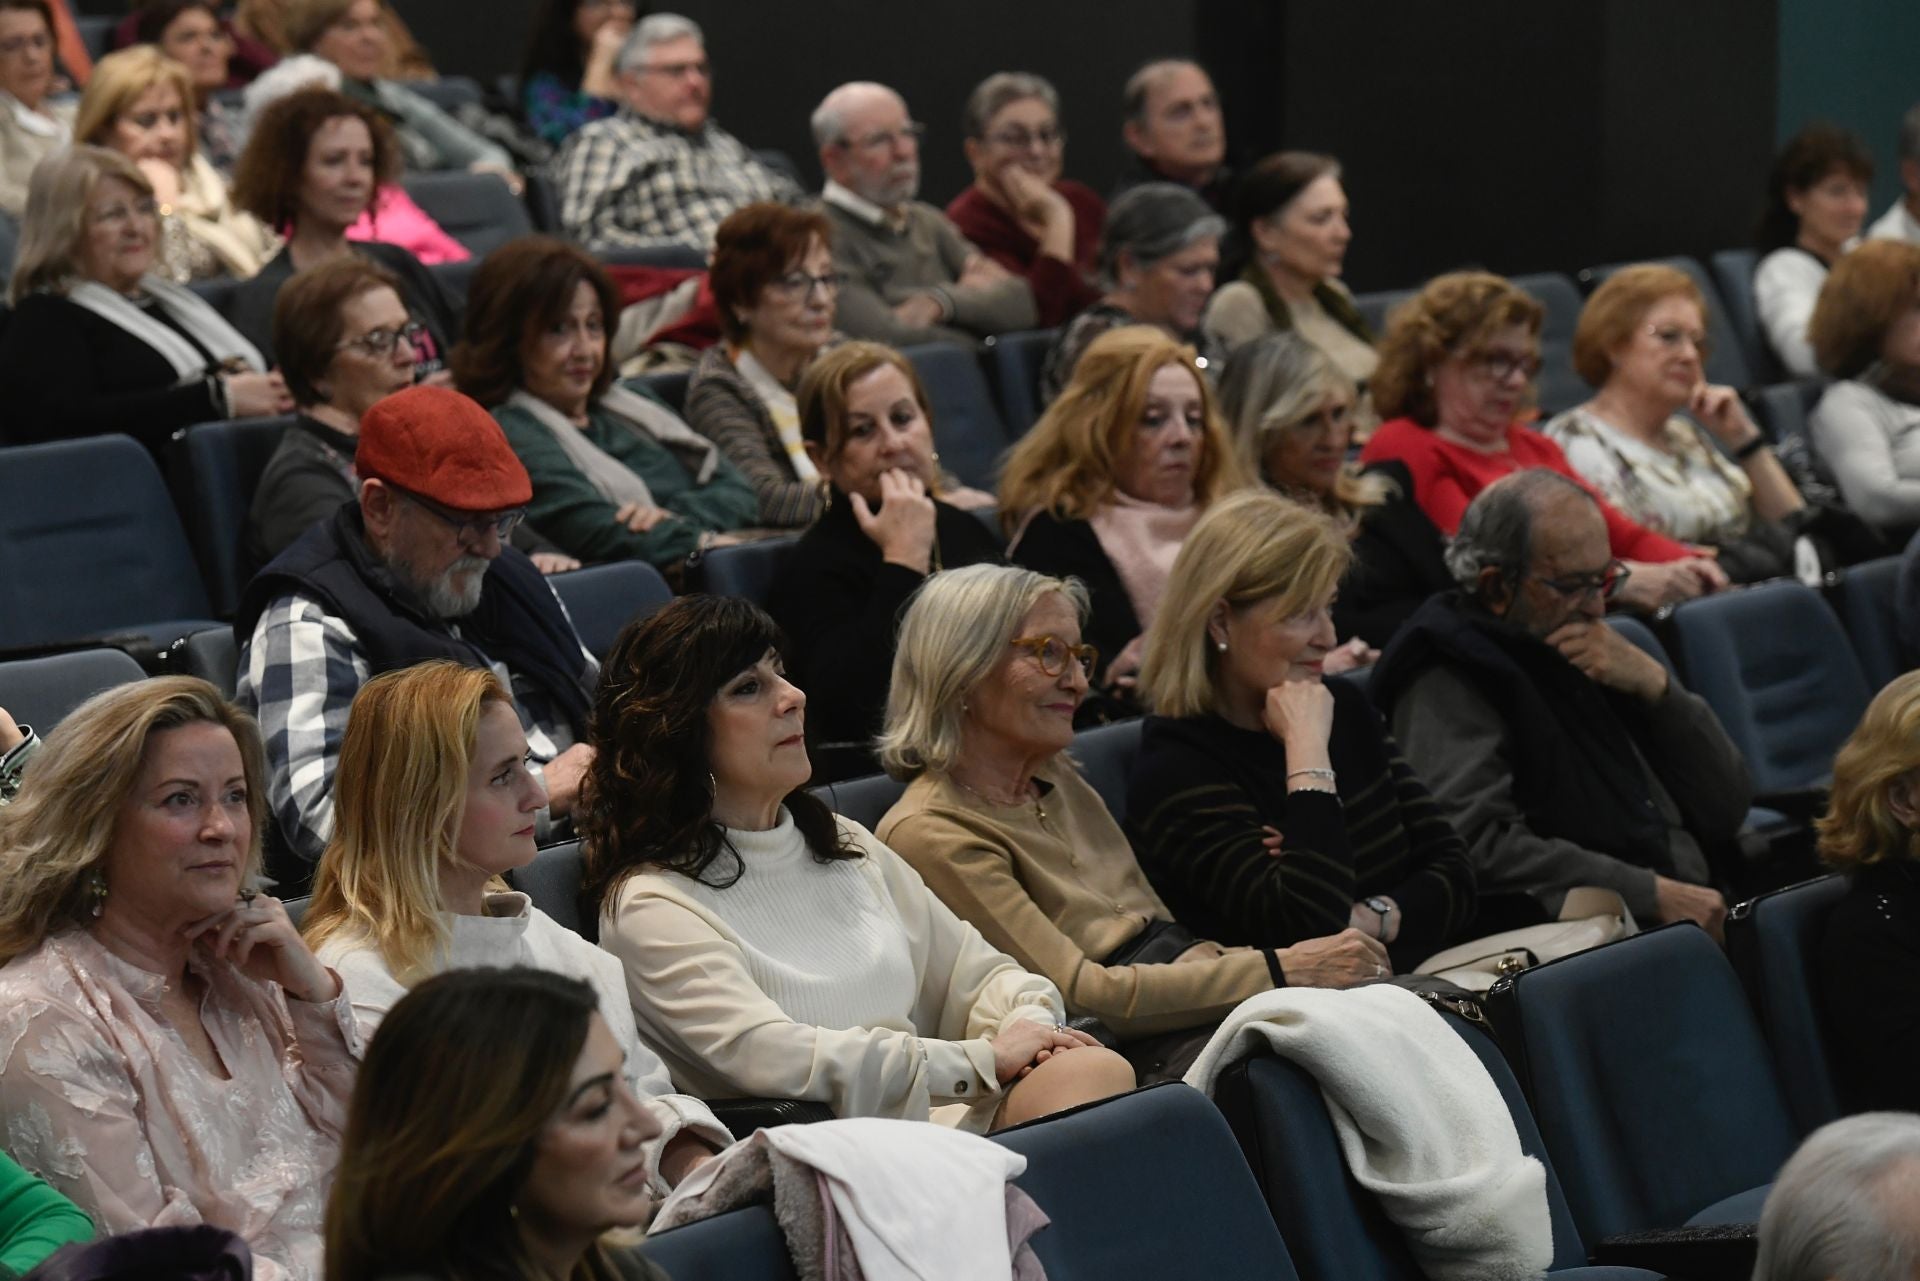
[248, 894]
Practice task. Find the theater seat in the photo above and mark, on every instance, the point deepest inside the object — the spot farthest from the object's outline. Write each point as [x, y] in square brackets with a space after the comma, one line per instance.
[1558, 387]
[746, 570]
[449, 93]
[297, 908]
[1375, 308]
[1770, 939]
[864, 800]
[1105, 755]
[477, 209]
[1014, 362]
[1727, 364]
[552, 881]
[1782, 409]
[1649, 1080]
[41, 691]
[684, 257]
[671, 388]
[603, 599]
[212, 655]
[216, 469]
[966, 427]
[93, 548]
[741, 1245]
[1865, 598]
[1733, 277]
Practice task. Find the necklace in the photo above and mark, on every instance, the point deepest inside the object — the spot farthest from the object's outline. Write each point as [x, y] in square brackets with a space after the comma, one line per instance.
[1039, 810]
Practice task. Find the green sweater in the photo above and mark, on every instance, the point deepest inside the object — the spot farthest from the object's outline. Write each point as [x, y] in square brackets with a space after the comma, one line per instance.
[35, 1220]
[567, 509]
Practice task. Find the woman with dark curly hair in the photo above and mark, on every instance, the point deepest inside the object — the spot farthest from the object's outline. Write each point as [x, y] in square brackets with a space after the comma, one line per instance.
[508, 1164]
[568, 78]
[1816, 201]
[771, 947]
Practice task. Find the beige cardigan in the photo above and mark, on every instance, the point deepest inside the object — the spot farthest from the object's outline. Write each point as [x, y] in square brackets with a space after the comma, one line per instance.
[21, 148]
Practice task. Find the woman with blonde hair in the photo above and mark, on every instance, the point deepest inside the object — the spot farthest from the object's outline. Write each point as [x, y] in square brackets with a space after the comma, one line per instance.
[140, 103]
[988, 674]
[1112, 477]
[1267, 805]
[434, 803]
[1868, 959]
[174, 1054]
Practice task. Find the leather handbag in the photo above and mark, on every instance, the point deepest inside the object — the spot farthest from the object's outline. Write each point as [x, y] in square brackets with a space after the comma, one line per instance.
[1589, 917]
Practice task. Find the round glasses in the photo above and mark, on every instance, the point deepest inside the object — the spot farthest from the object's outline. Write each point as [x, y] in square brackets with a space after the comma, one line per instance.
[1053, 654]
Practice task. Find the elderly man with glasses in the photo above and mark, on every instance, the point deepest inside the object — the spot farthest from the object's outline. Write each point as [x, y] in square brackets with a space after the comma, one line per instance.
[659, 171]
[911, 276]
[1564, 755]
[418, 568]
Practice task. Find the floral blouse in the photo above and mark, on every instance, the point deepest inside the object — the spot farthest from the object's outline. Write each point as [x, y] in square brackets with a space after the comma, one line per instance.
[1687, 490]
[107, 1103]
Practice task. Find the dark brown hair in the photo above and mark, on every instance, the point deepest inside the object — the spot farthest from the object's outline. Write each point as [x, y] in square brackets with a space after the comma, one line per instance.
[754, 247]
[1273, 183]
[1453, 314]
[307, 325]
[153, 17]
[1866, 291]
[647, 800]
[522, 288]
[267, 177]
[1809, 156]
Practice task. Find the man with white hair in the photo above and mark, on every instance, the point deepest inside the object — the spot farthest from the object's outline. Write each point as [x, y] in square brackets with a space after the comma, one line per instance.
[660, 171]
[1846, 1206]
[911, 276]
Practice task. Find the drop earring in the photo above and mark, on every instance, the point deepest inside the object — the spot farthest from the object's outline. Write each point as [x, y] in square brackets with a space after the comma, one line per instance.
[97, 891]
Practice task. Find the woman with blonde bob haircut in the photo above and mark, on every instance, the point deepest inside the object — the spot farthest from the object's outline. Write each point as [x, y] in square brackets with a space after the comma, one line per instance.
[433, 804]
[1112, 477]
[174, 1053]
[1868, 958]
[989, 672]
[1267, 805]
[1866, 332]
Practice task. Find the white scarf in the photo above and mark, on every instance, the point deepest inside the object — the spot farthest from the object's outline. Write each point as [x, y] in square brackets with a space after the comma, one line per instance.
[615, 481]
[783, 410]
[192, 313]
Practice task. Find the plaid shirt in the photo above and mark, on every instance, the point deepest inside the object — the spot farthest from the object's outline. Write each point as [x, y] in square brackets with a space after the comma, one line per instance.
[299, 672]
[630, 182]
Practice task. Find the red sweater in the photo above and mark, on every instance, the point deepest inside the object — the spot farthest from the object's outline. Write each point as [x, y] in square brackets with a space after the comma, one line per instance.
[1446, 477]
[1061, 290]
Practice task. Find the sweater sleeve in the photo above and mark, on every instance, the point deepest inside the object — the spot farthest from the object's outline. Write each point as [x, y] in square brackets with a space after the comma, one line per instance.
[35, 1220]
[720, 408]
[725, 502]
[976, 879]
[1436, 898]
[1853, 428]
[1236, 315]
[569, 510]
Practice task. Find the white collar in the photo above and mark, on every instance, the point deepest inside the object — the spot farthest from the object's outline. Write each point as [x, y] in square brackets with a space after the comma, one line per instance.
[860, 207]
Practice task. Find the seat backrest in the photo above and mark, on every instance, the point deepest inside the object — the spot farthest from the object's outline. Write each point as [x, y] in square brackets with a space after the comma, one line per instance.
[1866, 605]
[1376, 307]
[1770, 940]
[543, 202]
[1148, 1184]
[602, 599]
[9, 244]
[41, 691]
[449, 92]
[1643, 639]
[552, 881]
[1782, 409]
[297, 908]
[217, 468]
[1648, 1077]
[966, 427]
[865, 800]
[1015, 361]
[685, 257]
[217, 293]
[96, 32]
[477, 209]
[93, 523]
[1333, 1226]
[782, 163]
[1733, 277]
[1105, 755]
[1727, 364]
[1775, 665]
[740, 1245]
[672, 388]
[455, 278]
[1558, 386]
[213, 655]
[746, 571]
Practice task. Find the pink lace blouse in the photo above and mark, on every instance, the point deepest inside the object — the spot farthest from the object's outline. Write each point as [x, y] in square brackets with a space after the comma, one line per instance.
[106, 1102]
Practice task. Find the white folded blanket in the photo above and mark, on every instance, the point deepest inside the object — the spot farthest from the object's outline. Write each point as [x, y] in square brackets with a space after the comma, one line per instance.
[1422, 1125]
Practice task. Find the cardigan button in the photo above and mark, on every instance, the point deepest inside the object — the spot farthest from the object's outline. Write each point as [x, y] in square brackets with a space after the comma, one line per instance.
[959, 1087]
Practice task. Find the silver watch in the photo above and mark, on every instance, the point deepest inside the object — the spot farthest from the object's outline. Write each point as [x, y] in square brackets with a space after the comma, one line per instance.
[1383, 907]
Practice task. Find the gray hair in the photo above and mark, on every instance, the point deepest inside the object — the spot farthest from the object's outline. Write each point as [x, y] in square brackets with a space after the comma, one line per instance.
[655, 28]
[1153, 221]
[1133, 99]
[1836, 1207]
[1910, 134]
[829, 119]
[1497, 530]
[54, 223]
[956, 628]
[997, 91]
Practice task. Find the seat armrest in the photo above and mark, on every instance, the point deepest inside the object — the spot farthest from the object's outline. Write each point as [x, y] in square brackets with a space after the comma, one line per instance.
[744, 1116]
[1708, 1252]
[1096, 1029]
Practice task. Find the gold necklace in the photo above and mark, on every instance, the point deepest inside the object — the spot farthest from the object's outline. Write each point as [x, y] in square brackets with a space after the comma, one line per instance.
[1039, 810]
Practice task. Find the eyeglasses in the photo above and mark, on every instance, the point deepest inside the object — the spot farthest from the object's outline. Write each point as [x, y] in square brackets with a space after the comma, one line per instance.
[1579, 587]
[471, 527]
[1046, 138]
[908, 134]
[1671, 336]
[678, 70]
[379, 342]
[1053, 653]
[114, 215]
[1501, 366]
[39, 42]
[798, 286]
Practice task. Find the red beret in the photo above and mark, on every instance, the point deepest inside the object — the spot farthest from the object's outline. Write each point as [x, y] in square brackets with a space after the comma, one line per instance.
[434, 442]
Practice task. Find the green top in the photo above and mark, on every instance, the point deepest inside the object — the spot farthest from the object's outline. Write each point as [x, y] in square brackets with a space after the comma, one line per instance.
[35, 1220]
[567, 509]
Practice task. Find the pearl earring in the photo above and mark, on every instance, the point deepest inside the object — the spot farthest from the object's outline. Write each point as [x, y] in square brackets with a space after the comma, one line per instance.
[1221, 646]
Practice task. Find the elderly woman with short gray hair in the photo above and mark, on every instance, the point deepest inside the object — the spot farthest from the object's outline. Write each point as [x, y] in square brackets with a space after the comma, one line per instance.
[1846, 1206]
[1019, 211]
[987, 674]
[1157, 262]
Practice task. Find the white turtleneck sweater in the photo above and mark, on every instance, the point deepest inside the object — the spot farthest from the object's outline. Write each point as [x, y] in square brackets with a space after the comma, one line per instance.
[515, 932]
[845, 982]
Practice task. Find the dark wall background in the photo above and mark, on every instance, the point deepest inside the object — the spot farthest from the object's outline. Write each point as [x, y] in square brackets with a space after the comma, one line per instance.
[1520, 136]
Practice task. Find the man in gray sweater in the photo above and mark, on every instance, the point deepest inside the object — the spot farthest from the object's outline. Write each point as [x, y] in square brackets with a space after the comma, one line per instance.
[1563, 754]
[911, 276]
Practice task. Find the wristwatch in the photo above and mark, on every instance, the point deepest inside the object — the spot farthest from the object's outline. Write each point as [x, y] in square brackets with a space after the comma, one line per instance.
[1382, 905]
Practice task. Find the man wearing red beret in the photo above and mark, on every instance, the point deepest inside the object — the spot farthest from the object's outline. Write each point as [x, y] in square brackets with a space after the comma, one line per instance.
[417, 568]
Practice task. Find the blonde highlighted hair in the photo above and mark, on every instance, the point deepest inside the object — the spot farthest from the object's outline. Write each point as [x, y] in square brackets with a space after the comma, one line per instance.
[1068, 464]
[56, 216]
[399, 793]
[956, 629]
[1249, 549]
[119, 79]
[1859, 827]
[61, 825]
[1275, 383]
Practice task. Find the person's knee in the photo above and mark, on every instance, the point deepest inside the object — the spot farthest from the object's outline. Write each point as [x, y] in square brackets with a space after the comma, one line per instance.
[1100, 1072]
[1066, 1081]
